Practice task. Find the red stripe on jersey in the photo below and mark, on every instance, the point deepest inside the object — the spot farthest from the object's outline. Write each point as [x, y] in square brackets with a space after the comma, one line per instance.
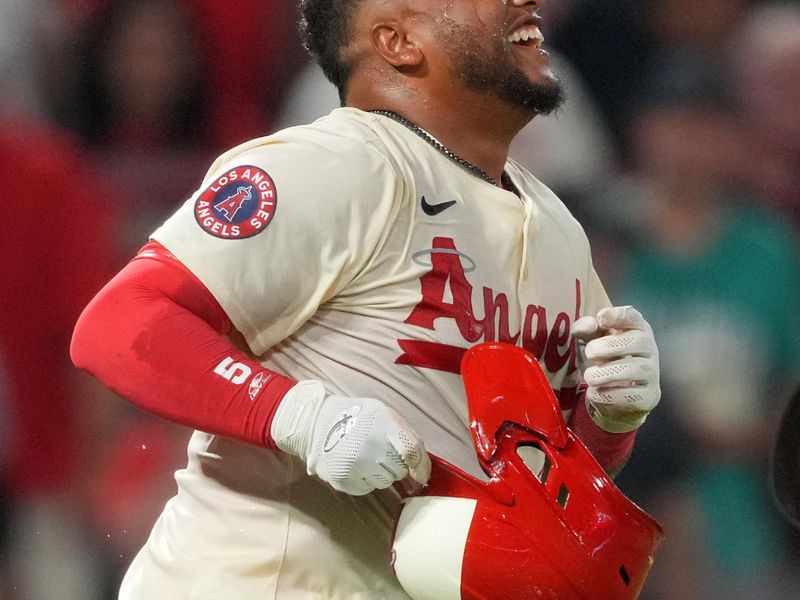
[447, 358]
[431, 355]
[156, 336]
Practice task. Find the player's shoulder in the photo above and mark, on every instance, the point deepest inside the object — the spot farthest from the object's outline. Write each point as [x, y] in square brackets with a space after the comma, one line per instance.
[338, 147]
[329, 170]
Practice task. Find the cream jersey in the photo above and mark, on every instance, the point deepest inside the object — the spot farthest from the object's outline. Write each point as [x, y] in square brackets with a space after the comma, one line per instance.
[354, 252]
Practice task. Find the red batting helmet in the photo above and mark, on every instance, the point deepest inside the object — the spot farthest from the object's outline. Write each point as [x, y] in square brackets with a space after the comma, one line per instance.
[548, 525]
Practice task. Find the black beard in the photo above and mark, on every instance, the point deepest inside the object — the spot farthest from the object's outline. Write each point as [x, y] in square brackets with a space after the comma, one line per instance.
[495, 72]
[511, 85]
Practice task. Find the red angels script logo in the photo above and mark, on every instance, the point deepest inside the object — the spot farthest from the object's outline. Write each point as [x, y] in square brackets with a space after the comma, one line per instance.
[546, 336]
[238, 205]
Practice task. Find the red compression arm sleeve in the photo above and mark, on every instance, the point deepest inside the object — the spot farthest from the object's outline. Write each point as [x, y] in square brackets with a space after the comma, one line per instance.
[611, 450]
[156, 336]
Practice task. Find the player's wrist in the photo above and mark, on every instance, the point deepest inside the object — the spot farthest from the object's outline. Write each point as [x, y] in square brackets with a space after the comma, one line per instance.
[292, 426]
[615, 423]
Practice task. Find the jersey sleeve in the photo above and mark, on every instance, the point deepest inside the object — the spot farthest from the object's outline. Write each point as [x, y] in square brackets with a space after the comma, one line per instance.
[282, 225]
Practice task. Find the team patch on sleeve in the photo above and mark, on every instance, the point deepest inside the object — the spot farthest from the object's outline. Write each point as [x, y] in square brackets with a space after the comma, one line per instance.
[238, 205]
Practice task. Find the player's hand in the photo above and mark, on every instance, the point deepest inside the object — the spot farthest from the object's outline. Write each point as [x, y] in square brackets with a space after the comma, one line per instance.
[621, 367]
[355, 444]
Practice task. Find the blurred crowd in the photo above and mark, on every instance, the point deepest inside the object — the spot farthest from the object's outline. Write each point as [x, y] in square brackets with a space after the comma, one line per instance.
[678, 150]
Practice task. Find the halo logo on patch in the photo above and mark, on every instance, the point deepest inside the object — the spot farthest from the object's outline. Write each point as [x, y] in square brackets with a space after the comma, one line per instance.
[238, 205]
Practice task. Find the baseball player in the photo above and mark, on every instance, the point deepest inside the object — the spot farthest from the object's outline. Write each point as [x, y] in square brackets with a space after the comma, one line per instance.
[307, 309]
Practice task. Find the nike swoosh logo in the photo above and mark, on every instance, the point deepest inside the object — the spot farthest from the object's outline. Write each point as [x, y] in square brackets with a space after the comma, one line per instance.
[434, 209]
[337, 432]
[341, 428]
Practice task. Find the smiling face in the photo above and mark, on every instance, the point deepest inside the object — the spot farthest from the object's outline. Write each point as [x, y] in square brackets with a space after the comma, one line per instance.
[496, 46]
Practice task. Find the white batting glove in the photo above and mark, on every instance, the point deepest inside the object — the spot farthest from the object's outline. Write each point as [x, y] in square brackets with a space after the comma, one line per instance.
[355, 444]
[623, 379]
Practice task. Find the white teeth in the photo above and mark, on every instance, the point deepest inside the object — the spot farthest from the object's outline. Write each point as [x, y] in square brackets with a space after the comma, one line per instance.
[527, 33]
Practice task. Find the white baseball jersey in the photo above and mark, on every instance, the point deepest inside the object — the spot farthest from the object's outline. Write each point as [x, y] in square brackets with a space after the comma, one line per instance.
[354, 252]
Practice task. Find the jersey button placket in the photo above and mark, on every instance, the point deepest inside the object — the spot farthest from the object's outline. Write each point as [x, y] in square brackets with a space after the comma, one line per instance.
[523, 268]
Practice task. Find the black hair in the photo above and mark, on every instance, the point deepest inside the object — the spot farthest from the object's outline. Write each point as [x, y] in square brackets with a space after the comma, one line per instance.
[325, 29]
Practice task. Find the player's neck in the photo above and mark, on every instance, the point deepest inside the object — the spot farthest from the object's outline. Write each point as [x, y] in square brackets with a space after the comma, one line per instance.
[477, 128]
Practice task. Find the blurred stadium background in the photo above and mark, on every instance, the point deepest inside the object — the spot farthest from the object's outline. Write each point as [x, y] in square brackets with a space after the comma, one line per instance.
[679, 150]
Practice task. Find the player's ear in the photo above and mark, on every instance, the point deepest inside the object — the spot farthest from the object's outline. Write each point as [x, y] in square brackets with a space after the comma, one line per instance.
[392, 42]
